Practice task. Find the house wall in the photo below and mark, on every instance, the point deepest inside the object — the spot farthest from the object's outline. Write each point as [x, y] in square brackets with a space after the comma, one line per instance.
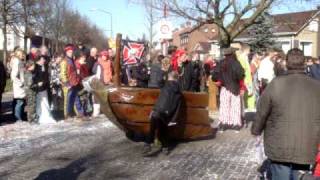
[309, 36]
[176, 39]
[203, 34]
[13, 40]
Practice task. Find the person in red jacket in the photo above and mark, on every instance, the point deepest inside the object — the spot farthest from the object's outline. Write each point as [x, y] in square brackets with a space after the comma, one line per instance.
[81, 65]
[84, 71]
[74, 84]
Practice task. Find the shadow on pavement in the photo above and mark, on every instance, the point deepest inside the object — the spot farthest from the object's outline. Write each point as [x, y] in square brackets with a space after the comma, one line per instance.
[70, 172]
[6, 116]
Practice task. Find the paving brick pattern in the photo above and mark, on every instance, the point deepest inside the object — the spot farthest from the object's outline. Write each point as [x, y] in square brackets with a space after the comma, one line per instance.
[98, 150]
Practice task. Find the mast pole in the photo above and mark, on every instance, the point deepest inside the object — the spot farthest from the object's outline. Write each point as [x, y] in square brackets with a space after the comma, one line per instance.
[117, 81]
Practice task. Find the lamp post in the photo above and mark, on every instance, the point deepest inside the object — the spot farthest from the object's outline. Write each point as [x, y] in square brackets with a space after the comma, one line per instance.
[106, 12]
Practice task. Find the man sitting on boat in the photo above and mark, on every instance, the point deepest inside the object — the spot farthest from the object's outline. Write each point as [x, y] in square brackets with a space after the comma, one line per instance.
[163, 112]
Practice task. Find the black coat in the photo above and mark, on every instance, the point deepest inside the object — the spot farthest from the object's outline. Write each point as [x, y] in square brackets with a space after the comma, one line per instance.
[90, 64]
[156, 76]
[186, 79]
[288, 114]
[169, 99]
[229, 72]
[40, 74]
[3, 77]
[140, 73]
[196, 77]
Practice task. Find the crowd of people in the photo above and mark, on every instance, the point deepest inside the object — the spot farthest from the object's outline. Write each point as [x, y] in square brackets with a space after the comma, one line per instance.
[49, 88]
[282, 88]
[52, 82]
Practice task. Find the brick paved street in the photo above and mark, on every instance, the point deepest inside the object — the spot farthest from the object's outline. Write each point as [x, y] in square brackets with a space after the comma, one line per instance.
[98, 150]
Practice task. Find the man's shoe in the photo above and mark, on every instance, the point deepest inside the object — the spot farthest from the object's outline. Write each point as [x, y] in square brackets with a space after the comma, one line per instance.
[155, 150]
[146, 148]
[166, 151]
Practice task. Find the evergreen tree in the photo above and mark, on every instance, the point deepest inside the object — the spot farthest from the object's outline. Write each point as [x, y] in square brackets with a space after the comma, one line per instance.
[261, 33]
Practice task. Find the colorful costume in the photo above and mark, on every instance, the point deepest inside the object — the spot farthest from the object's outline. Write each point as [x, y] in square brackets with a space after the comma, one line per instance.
[65, 84]
[249, 98]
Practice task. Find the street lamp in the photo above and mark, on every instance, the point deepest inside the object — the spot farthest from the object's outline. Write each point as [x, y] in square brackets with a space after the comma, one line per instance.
[106, 12]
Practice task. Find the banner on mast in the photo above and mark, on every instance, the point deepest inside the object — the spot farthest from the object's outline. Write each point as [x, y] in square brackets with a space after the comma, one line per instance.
[133, 52]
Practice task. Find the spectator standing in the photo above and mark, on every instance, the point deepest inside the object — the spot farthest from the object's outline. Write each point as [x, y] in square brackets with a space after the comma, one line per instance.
[266, 69]
[288, 116]
[254, 66]
[3, 80]
[41, 86]
[56, 85]
[83, 71]
[185, 71]
[30, 93]
[230, 74]
[65, 84]
[315, 69]
[196, 74]
[103, 71]
[92, 59]
[309, 63]
[248, 98]
[156, 73]
[174, 54]
[103, 68]
[74, 84]
[17, 77]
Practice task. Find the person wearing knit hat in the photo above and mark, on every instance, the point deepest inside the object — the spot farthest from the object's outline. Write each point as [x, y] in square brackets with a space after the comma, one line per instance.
[73, 84]
[103, 68]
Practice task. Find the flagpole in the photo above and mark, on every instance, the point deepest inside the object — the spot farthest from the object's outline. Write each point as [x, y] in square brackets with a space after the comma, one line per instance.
[117, 81]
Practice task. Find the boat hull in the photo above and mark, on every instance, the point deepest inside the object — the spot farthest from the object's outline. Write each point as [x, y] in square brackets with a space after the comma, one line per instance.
[129, 109]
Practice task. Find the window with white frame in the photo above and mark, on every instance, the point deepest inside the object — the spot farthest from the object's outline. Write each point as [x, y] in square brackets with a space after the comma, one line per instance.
[285, 46]
[306, 47]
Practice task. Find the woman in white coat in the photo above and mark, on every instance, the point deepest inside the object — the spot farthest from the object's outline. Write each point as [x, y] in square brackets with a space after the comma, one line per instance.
[17, 77]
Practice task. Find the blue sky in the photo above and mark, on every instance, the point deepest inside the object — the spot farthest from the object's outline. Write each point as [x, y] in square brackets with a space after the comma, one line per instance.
[129, 19]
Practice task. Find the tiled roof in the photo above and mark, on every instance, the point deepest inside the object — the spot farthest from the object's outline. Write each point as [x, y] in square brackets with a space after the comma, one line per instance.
[287, 23]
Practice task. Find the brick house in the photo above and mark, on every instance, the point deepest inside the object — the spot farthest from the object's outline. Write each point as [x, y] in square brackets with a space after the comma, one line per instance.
[291, 30]
[196, 38]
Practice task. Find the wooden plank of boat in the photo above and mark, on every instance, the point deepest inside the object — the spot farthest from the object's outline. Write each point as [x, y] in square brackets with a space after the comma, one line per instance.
[140, 114]
[149, 97]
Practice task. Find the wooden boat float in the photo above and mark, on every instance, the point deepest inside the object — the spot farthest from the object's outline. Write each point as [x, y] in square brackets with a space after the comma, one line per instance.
[129, 108]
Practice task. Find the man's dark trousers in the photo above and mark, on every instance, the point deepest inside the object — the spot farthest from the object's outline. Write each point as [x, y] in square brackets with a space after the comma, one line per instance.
[158, 123]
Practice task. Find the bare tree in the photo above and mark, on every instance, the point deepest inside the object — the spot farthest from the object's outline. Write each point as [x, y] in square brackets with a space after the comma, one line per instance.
[59, 10]
[152, 16]
[9, 17]
[45, 19]
[226, 14]
[28, 14]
